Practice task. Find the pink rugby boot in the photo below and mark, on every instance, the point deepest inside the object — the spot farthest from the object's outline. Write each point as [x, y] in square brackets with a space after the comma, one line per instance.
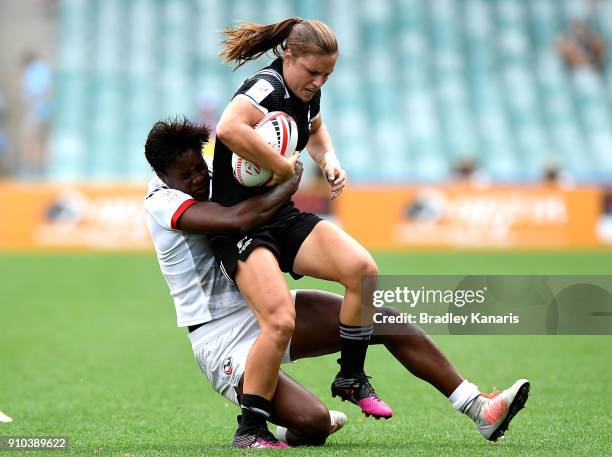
[358, 390]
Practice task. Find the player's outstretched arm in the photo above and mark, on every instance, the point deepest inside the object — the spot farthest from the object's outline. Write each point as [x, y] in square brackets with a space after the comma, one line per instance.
[205, 217]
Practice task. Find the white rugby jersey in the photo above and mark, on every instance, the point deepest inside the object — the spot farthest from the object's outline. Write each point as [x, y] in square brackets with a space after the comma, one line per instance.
[200, 291]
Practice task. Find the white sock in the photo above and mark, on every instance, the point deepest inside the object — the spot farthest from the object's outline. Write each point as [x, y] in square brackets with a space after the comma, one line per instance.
[281, 433]
[464, 395]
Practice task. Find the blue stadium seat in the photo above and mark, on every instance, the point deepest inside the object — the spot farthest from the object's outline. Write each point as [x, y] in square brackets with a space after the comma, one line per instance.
[69, 141]
[422, 83]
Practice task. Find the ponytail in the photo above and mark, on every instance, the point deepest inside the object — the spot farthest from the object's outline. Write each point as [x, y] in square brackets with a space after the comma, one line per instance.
[250, 41]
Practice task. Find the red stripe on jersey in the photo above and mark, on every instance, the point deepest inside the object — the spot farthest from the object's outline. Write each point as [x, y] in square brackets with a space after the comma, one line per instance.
[180, 210]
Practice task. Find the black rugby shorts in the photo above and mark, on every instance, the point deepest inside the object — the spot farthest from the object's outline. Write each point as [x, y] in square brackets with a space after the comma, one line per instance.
[283, 239]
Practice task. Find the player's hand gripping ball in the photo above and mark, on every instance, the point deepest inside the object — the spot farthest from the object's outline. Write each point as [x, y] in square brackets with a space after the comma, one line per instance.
[280, 131]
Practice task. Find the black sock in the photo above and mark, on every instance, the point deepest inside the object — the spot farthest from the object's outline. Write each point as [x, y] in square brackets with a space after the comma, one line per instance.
[256, 411]
[354, 342]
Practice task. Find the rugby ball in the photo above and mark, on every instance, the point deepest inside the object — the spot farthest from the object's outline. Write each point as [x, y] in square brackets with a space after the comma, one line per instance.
[279, 130]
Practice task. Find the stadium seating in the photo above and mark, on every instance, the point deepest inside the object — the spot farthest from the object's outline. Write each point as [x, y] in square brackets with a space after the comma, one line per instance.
[419, 85]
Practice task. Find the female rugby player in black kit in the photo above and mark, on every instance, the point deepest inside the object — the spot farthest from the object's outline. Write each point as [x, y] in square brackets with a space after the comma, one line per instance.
[294, 242]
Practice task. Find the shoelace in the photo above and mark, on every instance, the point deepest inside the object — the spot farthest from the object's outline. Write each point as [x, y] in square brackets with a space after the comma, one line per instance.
[494, 410]
[364, 383]
[493, 394]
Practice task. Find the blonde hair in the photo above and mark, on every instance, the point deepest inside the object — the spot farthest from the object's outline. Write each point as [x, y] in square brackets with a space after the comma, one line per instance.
[250, 41]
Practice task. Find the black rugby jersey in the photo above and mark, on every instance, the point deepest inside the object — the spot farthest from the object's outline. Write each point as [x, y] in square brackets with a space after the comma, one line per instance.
[267, 91]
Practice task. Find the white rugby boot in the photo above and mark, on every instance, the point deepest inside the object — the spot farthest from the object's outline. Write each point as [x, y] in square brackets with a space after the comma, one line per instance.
[493, 412]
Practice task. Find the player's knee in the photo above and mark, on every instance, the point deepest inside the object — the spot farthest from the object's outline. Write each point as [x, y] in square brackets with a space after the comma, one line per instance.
[279, 327]
[285, 325]
[314, 425]
[359, 267]
[369, 267]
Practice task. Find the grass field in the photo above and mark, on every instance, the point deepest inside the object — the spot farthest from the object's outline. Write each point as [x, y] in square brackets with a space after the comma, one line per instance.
[89, 349]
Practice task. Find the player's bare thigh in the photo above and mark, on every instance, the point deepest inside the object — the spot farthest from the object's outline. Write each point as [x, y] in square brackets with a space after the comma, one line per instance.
[332, 254]
[263, 286]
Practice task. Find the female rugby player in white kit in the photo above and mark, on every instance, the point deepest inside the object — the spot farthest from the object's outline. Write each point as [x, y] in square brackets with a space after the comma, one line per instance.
[223, 329]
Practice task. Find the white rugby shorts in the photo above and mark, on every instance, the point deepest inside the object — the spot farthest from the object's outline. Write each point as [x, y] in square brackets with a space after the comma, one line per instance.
[221, 348]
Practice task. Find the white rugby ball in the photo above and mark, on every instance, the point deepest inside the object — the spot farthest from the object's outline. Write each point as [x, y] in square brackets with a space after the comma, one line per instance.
[279, 130]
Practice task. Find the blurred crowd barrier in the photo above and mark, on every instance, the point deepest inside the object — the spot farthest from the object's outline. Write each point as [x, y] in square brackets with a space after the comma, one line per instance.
[73, 217]
[456, 216]
[464, 216]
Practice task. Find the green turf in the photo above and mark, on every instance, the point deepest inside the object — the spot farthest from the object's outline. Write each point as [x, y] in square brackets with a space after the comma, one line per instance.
[89, 349]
